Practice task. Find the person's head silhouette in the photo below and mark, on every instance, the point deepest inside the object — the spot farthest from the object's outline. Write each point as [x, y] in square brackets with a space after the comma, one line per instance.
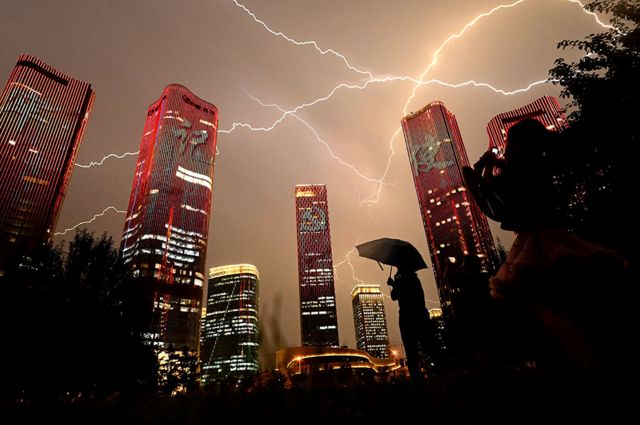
[528, 141]
[472, 264]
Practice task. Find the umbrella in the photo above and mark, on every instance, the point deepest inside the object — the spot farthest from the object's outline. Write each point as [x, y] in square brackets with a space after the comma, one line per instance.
[393, 252]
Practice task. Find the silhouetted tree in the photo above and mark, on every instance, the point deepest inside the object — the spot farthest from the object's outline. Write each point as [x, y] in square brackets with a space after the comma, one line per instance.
[502, 252]
[604, 141]
[70, 324]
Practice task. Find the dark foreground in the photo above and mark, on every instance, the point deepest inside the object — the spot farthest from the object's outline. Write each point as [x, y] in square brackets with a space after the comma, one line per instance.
[592, 395]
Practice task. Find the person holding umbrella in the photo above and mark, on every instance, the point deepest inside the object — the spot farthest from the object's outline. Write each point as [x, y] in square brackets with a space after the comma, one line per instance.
[415, 324]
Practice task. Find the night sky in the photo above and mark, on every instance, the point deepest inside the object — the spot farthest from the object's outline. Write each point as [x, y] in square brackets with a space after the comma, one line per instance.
[129, 51]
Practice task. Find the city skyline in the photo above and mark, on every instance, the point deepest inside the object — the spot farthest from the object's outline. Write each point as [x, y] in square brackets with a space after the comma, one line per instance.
[251, 218]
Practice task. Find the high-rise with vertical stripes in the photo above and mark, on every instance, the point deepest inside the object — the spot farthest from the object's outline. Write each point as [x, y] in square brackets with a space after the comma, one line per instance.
[165, 233]
[453, 223]
[318, 318]
[43, 115]
[230, 339]
[546, 109]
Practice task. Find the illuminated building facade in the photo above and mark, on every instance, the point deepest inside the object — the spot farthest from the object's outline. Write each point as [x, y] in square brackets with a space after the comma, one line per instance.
[165, 233]
[318, 318]
[230, 341]
[324, 367]
[441, 337]
[43, 115]
[453, 223]
[545, 109]
[548, 111]
[370, 321]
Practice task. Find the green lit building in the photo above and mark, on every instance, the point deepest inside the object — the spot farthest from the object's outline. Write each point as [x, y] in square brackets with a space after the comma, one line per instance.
[229, 342]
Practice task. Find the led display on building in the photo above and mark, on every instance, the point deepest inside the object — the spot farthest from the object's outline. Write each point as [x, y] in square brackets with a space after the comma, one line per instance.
[43, 115]
[318, 318]
[165, 233]
[453, 223]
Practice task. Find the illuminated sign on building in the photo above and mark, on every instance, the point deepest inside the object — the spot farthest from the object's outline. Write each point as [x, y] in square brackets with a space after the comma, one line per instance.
[165, 234]
[318, 317]
[453, 224]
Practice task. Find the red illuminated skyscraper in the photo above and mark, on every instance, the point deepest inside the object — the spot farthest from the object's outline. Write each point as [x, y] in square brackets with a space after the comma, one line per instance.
[43, 114]
[165, 232]
[453, 223]
[318, 318]
[545, 109]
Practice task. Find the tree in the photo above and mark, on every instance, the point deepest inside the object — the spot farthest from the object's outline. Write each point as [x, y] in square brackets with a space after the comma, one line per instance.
[502, 251]
[68, 321]
[604, 142]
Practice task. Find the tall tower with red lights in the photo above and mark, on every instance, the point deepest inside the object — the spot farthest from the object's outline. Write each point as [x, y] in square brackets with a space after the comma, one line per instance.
[165, 233]
[318, 318]
[546, 109]
[453, 223]
[43, 115]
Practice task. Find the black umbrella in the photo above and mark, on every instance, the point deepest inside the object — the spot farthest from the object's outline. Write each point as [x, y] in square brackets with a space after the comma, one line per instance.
[393, 252]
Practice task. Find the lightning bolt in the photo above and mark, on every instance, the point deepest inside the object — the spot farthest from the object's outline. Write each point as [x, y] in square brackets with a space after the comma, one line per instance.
[347, 257]
[375, 196]
[371, 79]
[302, 43]
[318, 138]
[111, 155]
[364, 85]
[455, 36]
[91, 220]
[595, 16]
[347, 260]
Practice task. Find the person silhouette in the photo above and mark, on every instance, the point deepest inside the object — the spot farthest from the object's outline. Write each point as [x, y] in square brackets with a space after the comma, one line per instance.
[415, 329]
[549, 272]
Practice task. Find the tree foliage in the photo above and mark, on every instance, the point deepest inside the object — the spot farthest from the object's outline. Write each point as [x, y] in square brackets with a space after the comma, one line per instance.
[603, 86]
[67, 325]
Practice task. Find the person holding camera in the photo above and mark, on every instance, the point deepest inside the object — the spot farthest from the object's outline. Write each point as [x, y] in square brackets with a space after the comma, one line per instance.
[549, 273]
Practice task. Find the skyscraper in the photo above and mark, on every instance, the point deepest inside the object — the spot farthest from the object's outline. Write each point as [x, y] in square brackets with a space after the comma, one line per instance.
[230, 330]
[43, 115]
[370, 321]
[548, 111]
[165, 233]
[318, 318]
[453, 223]
[545, 109]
